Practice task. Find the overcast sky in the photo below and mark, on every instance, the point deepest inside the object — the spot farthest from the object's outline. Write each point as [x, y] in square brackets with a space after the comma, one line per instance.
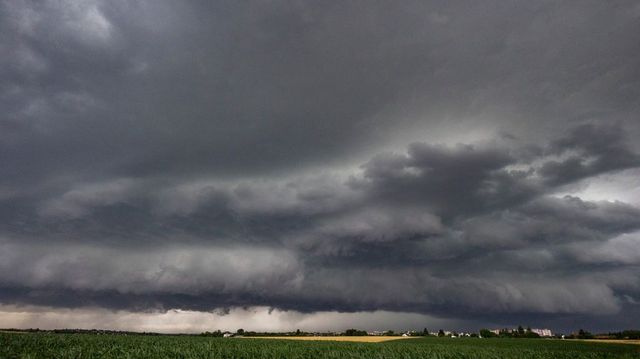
[273, 165]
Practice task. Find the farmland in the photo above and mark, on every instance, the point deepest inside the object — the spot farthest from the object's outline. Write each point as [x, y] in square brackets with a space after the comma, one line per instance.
[46, 345]
[342, 338]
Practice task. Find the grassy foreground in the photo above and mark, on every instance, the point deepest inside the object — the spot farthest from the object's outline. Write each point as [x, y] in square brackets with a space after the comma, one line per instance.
[41, 345]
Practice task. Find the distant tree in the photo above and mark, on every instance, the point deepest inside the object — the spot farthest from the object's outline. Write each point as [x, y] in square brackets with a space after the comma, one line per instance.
[217, 333]
[520, 330]
[441, 333]
[297, 331]
[240, 331]
[583, 334]
[631, 334]
[508, 333]
[425, 332]
[354, 332]
[486, 333]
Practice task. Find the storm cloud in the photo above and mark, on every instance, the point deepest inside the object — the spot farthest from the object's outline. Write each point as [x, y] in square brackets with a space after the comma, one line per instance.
[436, 158]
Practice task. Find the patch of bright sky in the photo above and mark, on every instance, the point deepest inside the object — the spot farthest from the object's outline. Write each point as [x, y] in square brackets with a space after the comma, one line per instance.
[622, 186]
[253, 318]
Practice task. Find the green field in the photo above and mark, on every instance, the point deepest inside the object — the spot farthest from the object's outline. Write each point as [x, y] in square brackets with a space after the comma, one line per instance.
[43, 345]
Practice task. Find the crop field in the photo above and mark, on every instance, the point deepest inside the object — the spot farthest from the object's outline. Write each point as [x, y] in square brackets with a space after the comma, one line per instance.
[359, 339]
[43, 345]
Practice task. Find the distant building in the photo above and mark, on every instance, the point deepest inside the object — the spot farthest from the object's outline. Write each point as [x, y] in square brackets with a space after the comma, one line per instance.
[543, 332]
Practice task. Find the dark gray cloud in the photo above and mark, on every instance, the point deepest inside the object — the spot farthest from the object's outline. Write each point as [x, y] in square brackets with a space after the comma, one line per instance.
[421, 157]
[590, 150]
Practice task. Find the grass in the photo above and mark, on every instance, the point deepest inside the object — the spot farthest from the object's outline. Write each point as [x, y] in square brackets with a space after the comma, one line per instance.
[44, 345]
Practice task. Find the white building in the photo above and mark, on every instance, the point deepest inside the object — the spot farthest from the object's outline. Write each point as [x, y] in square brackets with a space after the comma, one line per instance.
[543, 332]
